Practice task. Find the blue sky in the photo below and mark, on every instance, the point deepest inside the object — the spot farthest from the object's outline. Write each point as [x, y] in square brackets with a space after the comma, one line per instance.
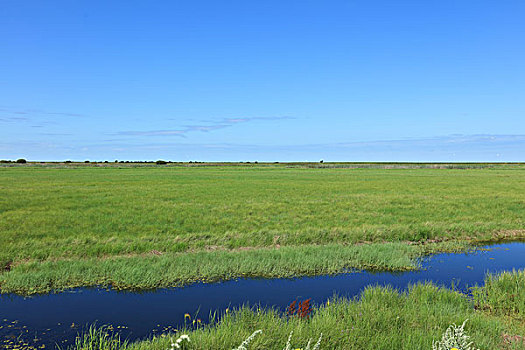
[263, 80]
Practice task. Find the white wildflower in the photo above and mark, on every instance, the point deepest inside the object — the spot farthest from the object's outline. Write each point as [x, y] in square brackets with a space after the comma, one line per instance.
[454, 338]
[316, 346]
[248, 340]
[177, 343]
[288, 343]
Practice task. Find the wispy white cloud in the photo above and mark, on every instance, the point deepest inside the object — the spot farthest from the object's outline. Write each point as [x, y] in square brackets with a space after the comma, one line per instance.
[209, 126]
[34, 118]
[180, 133]
[237, 120]
[6, 111]
[247, 119]
[450, 148]
[205, 128]
[482, 148]
[10, 119]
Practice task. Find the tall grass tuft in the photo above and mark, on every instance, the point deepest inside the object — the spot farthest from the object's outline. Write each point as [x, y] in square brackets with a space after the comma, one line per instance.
[100, 338]
[502, 294]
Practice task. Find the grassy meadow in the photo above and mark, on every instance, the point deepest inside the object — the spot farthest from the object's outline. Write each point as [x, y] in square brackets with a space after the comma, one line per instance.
[149, 226]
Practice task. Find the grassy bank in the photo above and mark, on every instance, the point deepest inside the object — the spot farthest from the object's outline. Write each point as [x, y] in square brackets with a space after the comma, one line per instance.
[381, 318]
[503, 294]
[68, 226]
[168, 270]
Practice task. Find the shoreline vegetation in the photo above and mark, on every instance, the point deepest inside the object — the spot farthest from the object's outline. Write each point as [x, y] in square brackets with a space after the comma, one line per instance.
[157, 226]
[180, 269]
[381, 318]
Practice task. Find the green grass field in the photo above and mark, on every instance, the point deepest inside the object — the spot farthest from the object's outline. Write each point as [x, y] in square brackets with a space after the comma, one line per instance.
[63, 226]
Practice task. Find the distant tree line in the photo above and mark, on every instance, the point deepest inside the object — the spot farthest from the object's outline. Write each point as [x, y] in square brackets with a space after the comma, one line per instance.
[158, 162]
[20, 161]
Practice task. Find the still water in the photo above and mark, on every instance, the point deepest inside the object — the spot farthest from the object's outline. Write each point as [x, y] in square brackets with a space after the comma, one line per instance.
[57, 318]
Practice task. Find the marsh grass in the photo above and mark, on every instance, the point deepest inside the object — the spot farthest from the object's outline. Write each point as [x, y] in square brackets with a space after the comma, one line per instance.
[85, 225]
[503, 294]
[168, 270]
[382, 318]
[98, 338]
[99, 212]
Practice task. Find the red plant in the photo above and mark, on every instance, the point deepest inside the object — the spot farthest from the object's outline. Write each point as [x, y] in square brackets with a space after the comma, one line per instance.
[291, 308]
[301, 309]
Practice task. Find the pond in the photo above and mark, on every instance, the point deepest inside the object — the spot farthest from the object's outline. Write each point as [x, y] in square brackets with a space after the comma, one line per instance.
[57, 318]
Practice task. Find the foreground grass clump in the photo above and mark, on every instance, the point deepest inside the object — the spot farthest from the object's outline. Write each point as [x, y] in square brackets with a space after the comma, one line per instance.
[99, 339]
[381, 318]
[503, 294]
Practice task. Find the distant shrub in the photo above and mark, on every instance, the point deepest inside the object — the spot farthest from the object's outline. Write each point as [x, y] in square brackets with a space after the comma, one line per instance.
[321, 161]
[67, 161]
[21, 160]
[161, 162]
[86, 161]
[5, 161]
